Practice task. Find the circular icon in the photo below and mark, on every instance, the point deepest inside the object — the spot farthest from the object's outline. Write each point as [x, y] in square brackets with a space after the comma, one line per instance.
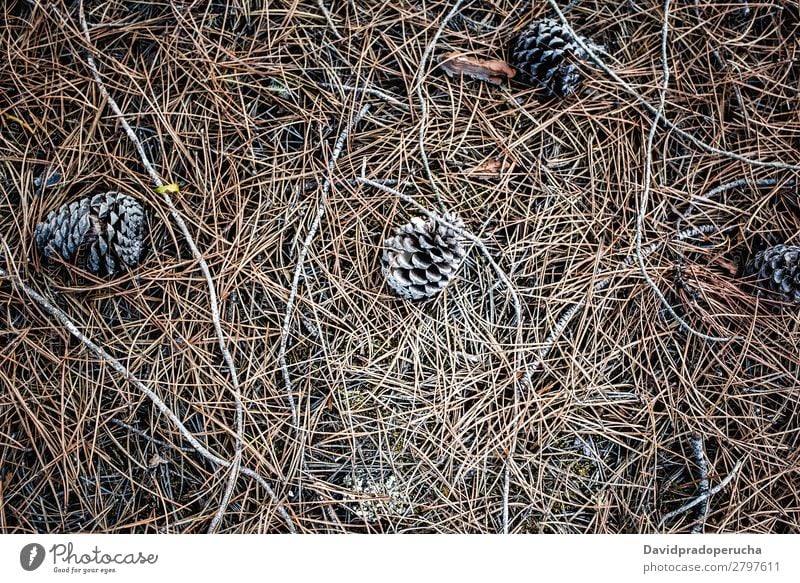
[31, 556]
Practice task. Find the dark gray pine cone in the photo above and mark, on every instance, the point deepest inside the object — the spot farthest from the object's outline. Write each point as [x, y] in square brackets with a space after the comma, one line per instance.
[422, 257]
[777, 272]
[546, 54]
[104, 234]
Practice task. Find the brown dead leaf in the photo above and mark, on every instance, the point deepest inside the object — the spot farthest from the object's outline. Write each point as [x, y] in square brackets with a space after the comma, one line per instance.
[156, 460]
[492, 71]
[491, 168]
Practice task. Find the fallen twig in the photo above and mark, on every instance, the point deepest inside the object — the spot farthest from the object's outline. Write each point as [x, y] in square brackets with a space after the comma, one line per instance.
[506, 489]
[648, 170]
[301, 256]
[702, 497]
[212, 292]
[698, 451]
[369, 91]
[101, 353]
[740, 183]
[149, 438]
[653, 110]
[326, 13]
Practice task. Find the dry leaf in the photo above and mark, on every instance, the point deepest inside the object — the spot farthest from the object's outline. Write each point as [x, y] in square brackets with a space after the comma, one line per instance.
[491, 168]
[496, 72]
[156, 460]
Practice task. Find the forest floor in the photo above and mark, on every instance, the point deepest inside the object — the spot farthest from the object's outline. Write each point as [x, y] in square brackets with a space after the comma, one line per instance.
[547, 389]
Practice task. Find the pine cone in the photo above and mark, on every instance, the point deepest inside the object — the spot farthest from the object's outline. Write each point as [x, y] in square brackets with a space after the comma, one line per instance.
[777, 272]
[547, 55]
[422, 257]
[104, 233]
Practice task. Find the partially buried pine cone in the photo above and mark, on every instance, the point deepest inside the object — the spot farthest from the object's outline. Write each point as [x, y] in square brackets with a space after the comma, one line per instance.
[105, 233]
[777, 272]
[546, 54]
[422, 257]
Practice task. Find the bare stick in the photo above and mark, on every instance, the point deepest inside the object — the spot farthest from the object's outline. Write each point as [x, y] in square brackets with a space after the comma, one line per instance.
[702, 497]
[212, 292]
[555, 333]
[313, 184]
[149, 438]
[698, 451]
[648, 169]
[101, 353]
[514, 432]
[424, 104]
[506, 489]
[369, 91]
[653, 110]
[301, 257]
[329, 19]
[742, 182]
[234, 474]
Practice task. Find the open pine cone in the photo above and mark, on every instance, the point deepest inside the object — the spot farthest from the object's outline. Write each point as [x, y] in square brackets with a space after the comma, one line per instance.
[104, 234]
[546, 54]
[777, 272]
[422, 257]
